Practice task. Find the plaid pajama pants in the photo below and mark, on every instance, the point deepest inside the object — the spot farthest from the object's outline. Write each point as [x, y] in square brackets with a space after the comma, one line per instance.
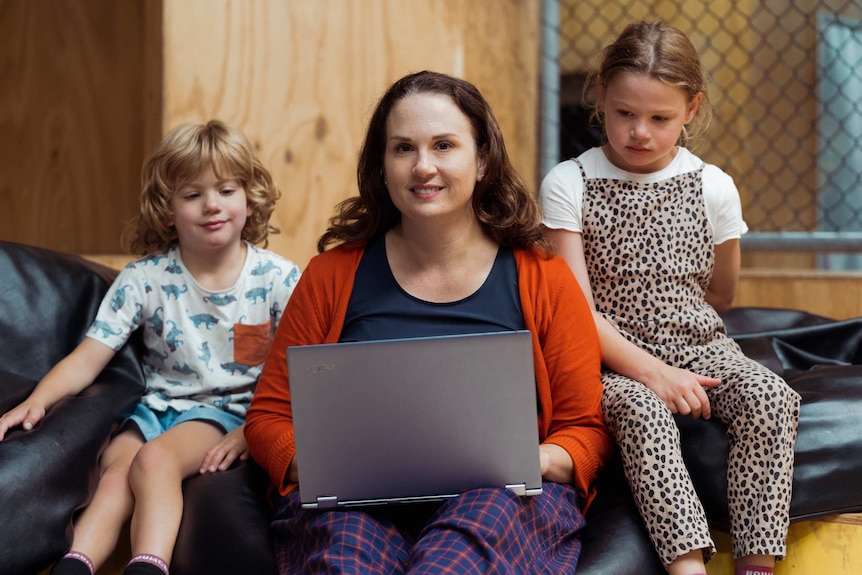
[483, 531]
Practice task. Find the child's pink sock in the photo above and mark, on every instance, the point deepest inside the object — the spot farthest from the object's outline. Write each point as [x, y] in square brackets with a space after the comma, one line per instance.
[146, 564]
[753, 570]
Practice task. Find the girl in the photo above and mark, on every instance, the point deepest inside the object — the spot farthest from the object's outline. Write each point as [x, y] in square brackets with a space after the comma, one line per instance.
[208, 301]
[443, 238]
[652, 234]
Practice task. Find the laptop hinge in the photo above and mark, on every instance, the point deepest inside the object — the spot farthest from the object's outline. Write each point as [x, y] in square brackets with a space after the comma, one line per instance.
[518, 488]
[326, 501]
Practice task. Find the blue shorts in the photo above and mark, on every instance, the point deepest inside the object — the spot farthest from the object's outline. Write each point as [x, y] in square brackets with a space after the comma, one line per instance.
[153, 423]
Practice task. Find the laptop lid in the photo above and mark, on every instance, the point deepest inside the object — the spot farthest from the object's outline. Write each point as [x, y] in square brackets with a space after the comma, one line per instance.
[414, 419]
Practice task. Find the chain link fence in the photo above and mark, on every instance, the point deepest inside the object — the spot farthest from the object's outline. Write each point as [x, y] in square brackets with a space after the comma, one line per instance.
[786, 85]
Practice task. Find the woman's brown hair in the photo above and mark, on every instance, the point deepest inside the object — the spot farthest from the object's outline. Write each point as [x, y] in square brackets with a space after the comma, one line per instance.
[505, 208]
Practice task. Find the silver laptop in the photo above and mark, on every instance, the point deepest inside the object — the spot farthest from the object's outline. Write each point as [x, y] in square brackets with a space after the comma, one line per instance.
[411, 420]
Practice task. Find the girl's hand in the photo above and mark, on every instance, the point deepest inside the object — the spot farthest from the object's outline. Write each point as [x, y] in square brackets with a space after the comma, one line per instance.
[26, 414]
[225, 452]
[682, 391]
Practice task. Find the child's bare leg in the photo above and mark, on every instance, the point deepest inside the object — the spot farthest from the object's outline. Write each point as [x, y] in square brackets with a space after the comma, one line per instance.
[689, 564]
[749, 563]
[100, 524]
[156, 480]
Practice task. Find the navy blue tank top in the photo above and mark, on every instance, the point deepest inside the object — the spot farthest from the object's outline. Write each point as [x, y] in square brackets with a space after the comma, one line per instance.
[380, 309]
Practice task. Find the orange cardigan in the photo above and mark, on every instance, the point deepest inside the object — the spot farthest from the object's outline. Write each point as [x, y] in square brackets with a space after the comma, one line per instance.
[565, 347]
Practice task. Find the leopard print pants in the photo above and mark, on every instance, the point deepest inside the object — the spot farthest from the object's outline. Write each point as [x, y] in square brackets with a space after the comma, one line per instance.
[761, 412]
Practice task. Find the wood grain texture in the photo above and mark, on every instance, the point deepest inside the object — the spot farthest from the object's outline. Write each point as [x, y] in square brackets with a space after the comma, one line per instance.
[838, 296]
[89, 87]
[70, 121]
[301, 79]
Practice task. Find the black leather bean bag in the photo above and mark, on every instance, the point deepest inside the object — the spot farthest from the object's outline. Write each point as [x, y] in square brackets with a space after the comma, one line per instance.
[822, 360]
[48, 299]
[47, 302]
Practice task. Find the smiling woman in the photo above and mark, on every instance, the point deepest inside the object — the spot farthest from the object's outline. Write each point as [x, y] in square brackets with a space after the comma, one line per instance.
[443, 239]
[431, 168]
[431, 156]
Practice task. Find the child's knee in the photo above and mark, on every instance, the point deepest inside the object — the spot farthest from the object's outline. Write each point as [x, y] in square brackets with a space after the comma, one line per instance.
[151, 458]
[773, 395]
[115, 476]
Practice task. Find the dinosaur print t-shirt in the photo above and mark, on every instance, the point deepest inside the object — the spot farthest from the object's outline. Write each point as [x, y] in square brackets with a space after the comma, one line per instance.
[203, 347]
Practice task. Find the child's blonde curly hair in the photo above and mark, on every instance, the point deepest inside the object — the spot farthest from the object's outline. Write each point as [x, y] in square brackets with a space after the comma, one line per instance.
[179, 159]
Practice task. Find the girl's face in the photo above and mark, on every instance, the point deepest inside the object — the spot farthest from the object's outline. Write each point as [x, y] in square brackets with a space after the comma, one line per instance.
[431, 164]
[208, 213]
[643, 119]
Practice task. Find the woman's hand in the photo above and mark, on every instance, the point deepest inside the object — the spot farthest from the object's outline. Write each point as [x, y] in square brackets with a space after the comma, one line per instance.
[225, 452]
[556, 464]
[292, 472]
[682, 390]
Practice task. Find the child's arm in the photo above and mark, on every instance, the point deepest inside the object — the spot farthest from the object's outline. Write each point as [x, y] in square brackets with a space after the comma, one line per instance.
[725, 276]
[680, 389]
[69, 377]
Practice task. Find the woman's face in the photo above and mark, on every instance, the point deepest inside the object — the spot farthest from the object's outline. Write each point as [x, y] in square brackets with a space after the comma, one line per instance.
[431, 164]
[643, 119]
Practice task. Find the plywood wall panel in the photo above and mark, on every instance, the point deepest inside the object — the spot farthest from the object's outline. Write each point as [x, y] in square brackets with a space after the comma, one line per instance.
[301, 79]
[89, 87]
[832, 295]
[70, 121]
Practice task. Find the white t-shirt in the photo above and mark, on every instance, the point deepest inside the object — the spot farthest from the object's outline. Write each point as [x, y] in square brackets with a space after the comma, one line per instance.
[562, 192]
[202, 347]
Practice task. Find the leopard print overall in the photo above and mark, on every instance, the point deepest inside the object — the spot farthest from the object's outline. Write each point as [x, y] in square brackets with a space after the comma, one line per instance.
[650, 256]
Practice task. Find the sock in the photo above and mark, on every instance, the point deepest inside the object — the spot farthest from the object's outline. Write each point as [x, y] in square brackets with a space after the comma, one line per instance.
[146, 564]
[73, 563]
[752, 570]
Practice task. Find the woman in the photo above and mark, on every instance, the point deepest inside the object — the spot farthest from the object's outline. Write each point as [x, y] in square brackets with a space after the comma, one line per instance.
[443, 238]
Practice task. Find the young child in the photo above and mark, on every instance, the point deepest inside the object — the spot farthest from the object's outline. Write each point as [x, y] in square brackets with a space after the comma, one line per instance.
[208, 301]
[652, 234]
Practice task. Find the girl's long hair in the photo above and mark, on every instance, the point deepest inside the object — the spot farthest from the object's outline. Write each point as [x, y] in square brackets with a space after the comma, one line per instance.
[659, 51]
